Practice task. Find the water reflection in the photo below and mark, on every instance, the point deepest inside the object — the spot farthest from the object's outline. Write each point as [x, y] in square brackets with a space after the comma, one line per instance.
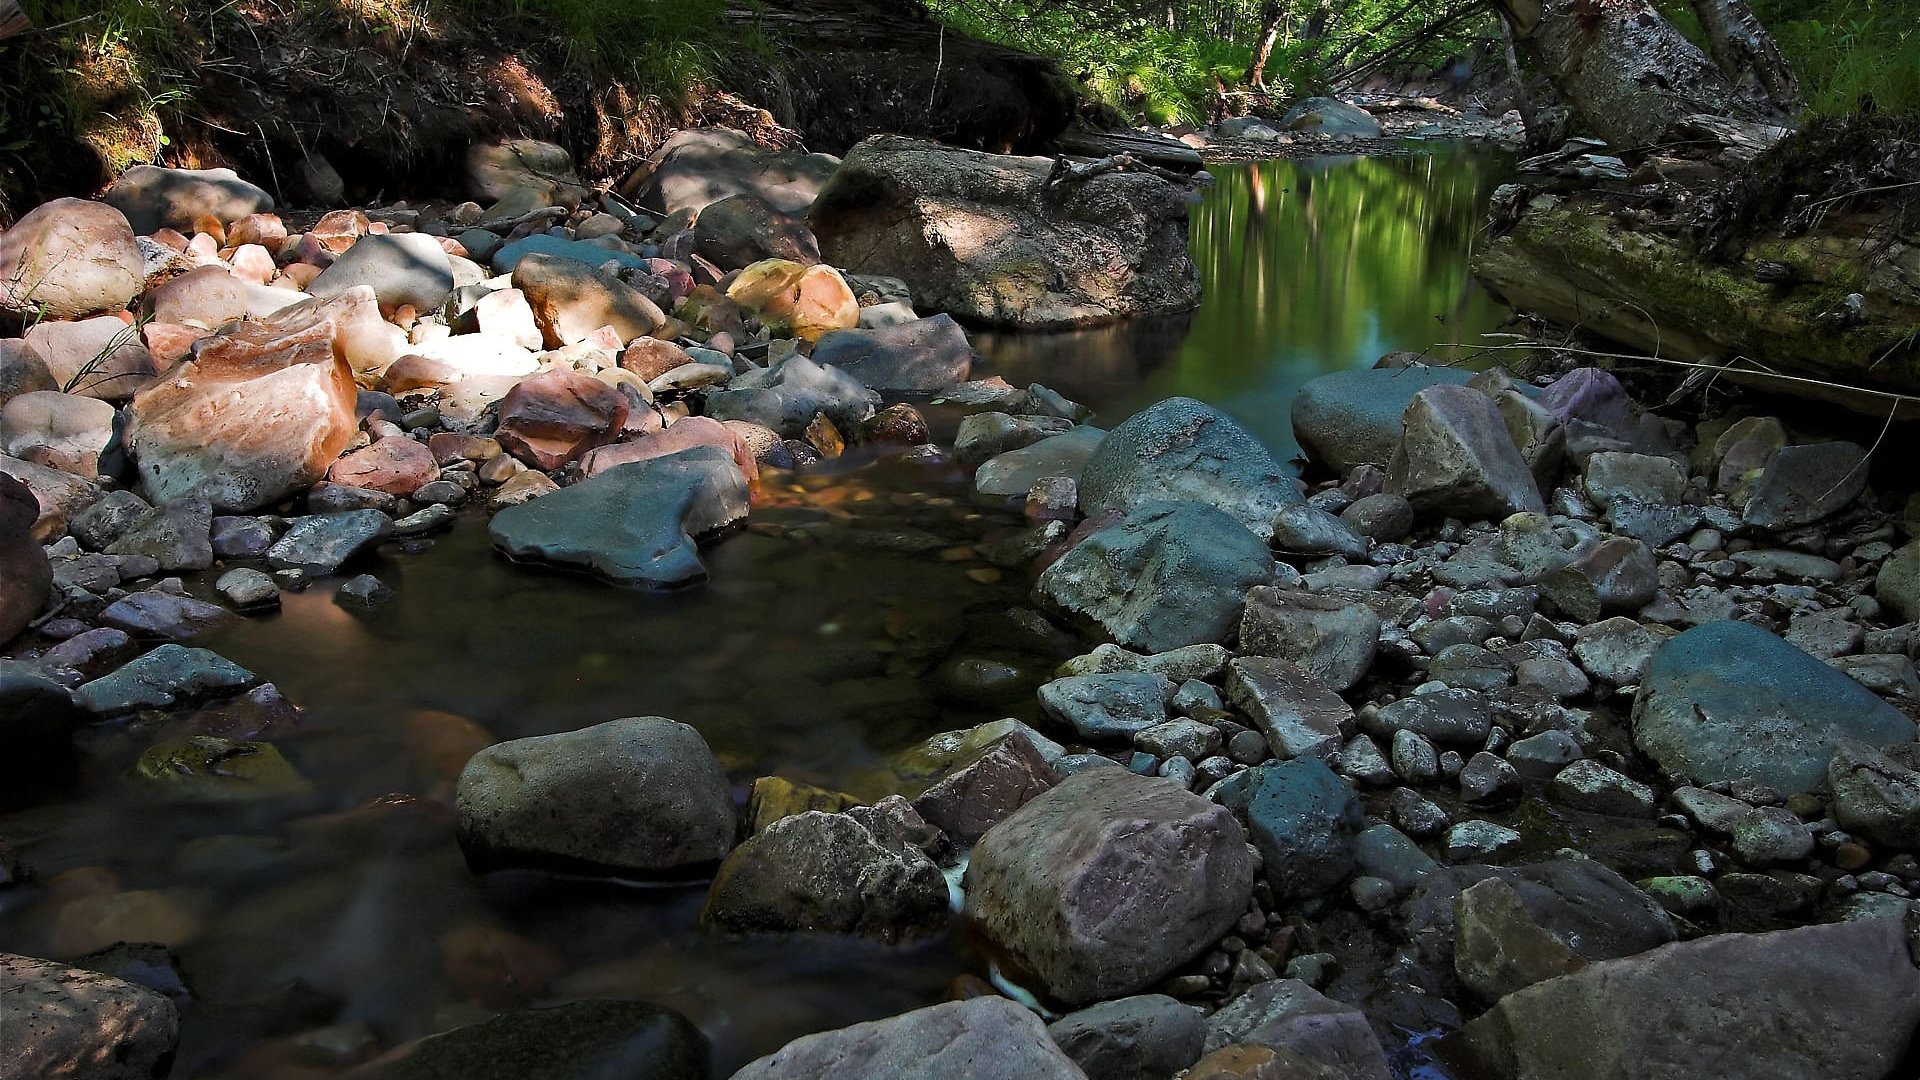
[1308, 266]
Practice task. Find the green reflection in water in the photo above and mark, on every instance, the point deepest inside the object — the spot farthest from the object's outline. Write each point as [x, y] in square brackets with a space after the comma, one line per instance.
[1308, 266]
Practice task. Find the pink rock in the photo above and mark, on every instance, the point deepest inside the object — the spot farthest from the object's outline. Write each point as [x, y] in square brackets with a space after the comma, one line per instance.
[254, 263]
[266, 230]
[100, 357]
[650, 357]
[396, 465]
[506, 313]
[204, 245]
[169, 342]
[260, 413]
[68, 259]
[60, 431]
[683, 435]
[553, 417]
[209, 296]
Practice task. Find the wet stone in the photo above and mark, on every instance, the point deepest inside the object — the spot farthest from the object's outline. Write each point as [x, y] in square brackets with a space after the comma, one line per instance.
[1590, 786]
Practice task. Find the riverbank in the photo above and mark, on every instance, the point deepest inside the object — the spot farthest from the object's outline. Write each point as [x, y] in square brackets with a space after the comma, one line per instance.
[1524, 696]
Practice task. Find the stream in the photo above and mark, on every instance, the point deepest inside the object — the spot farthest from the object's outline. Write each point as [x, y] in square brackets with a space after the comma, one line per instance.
[854, 617]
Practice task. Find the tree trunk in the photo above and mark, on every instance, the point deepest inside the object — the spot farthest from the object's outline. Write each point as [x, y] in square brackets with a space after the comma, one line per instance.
[1521, 99]
[1741, 46]
[1263, 49]
[1626, 69]
[12, 19]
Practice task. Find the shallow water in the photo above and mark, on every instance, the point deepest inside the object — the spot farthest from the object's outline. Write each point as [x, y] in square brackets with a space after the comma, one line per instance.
[835, 631]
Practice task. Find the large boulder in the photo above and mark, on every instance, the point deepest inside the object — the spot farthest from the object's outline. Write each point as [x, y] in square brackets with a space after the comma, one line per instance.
[983, 1038]
[699, 166]
[25, 576]
[1106, 883]
[261, 411]
[1832, 1002]
[796, 299]
[75, 1024]
[844, 873]
[571, 299]
[634, 524]
[921, 356]
[154, 198]
[639, 796]
[403, 269]
[60, 431]
[1182, 449]
[100, 357]
[68, 259]
[1147, 1037]
[498, 170]
[1729, 699]
[1330, 116]
[743, 229]
[1169, 574]
[1457, 458]
[581, 1040]
[1351, 418]
[787, 396]
[554, 417]
[1303, 817]
[986, 238]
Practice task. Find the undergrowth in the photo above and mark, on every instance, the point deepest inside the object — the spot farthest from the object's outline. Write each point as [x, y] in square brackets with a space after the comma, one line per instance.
[1852, 56]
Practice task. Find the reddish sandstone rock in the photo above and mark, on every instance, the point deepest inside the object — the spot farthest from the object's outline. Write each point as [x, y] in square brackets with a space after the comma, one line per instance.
[100, 357]
[396, 465]
[650, 357]
[259, 414]
[552, 418]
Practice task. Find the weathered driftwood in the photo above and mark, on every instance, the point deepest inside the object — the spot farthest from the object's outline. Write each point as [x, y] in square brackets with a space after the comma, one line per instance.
[12, 19]
[1738, 142]
[1150, 149]
[1746, 52]
[1625, 68]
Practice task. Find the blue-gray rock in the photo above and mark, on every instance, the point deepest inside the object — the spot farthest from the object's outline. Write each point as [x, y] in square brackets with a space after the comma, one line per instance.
[787, 396]
[176, 535]
[1015, 472]
[1799, 485]
[1454, 717]
[163, 678]
[1456, 458]
[1309, 530]
[582, 1040]
[1148, 1037]
[1297, 713]
[1170, 574]
[983, 1038]
[1303, 817]
[103, 522]
[922, 357]
[154, 198]
[1108, 882]
[323, 543]
[1183, 450]
[1831, 1001]
[402, 268]
[1290, 1014]
[1351, 418]
[1728, 699]
[509, 256]
[1391, 855]
[240, 537]
[1877, 794]
[156, 613]
[638, 796]
[990, 434]
[1110, 707]
[1331, 116]
[1324, 633]
[636, 524]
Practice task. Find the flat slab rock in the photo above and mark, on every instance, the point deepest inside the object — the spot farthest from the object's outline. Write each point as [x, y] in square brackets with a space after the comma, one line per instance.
[634, 524]
[986, 1038]
[58, 1021]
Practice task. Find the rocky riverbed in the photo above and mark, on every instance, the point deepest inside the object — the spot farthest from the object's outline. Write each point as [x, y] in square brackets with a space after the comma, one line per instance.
[1580, 734]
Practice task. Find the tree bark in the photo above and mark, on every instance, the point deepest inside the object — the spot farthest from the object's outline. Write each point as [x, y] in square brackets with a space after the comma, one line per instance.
[1626, 69]
[1270, 15]
[1742, 47]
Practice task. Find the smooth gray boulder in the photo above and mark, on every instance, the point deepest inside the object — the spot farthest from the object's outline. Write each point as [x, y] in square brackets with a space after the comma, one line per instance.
[323, 543]
[1457, 458]
[1832, 1002]
[155, 198]
[1108, 882]
[1351, 418]
[401, 268]
[698, 166]
[919, 357]
[581, 1040]
[1148, 1037]
[787, 396]
[1330, 116]
[1182, 450]
[1111, 706]
[1170, 574]
[639, 796]
[983, 1038]
[636, 524]
[1729, 699]
[1290, 1014]
[60, 1021]
[163, 678]
[828, 873]
[1799, 485]
[1013, 474]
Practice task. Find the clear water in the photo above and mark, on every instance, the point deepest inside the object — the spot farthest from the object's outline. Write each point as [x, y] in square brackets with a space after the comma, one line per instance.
[829, 637]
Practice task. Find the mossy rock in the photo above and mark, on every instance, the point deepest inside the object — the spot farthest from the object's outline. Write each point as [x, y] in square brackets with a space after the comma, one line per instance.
[212, 769]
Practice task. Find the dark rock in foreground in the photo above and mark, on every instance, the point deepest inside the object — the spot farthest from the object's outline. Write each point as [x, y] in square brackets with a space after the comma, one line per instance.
[585, 1040]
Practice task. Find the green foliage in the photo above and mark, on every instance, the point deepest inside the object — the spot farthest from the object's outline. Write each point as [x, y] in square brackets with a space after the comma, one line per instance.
[1851, 55]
